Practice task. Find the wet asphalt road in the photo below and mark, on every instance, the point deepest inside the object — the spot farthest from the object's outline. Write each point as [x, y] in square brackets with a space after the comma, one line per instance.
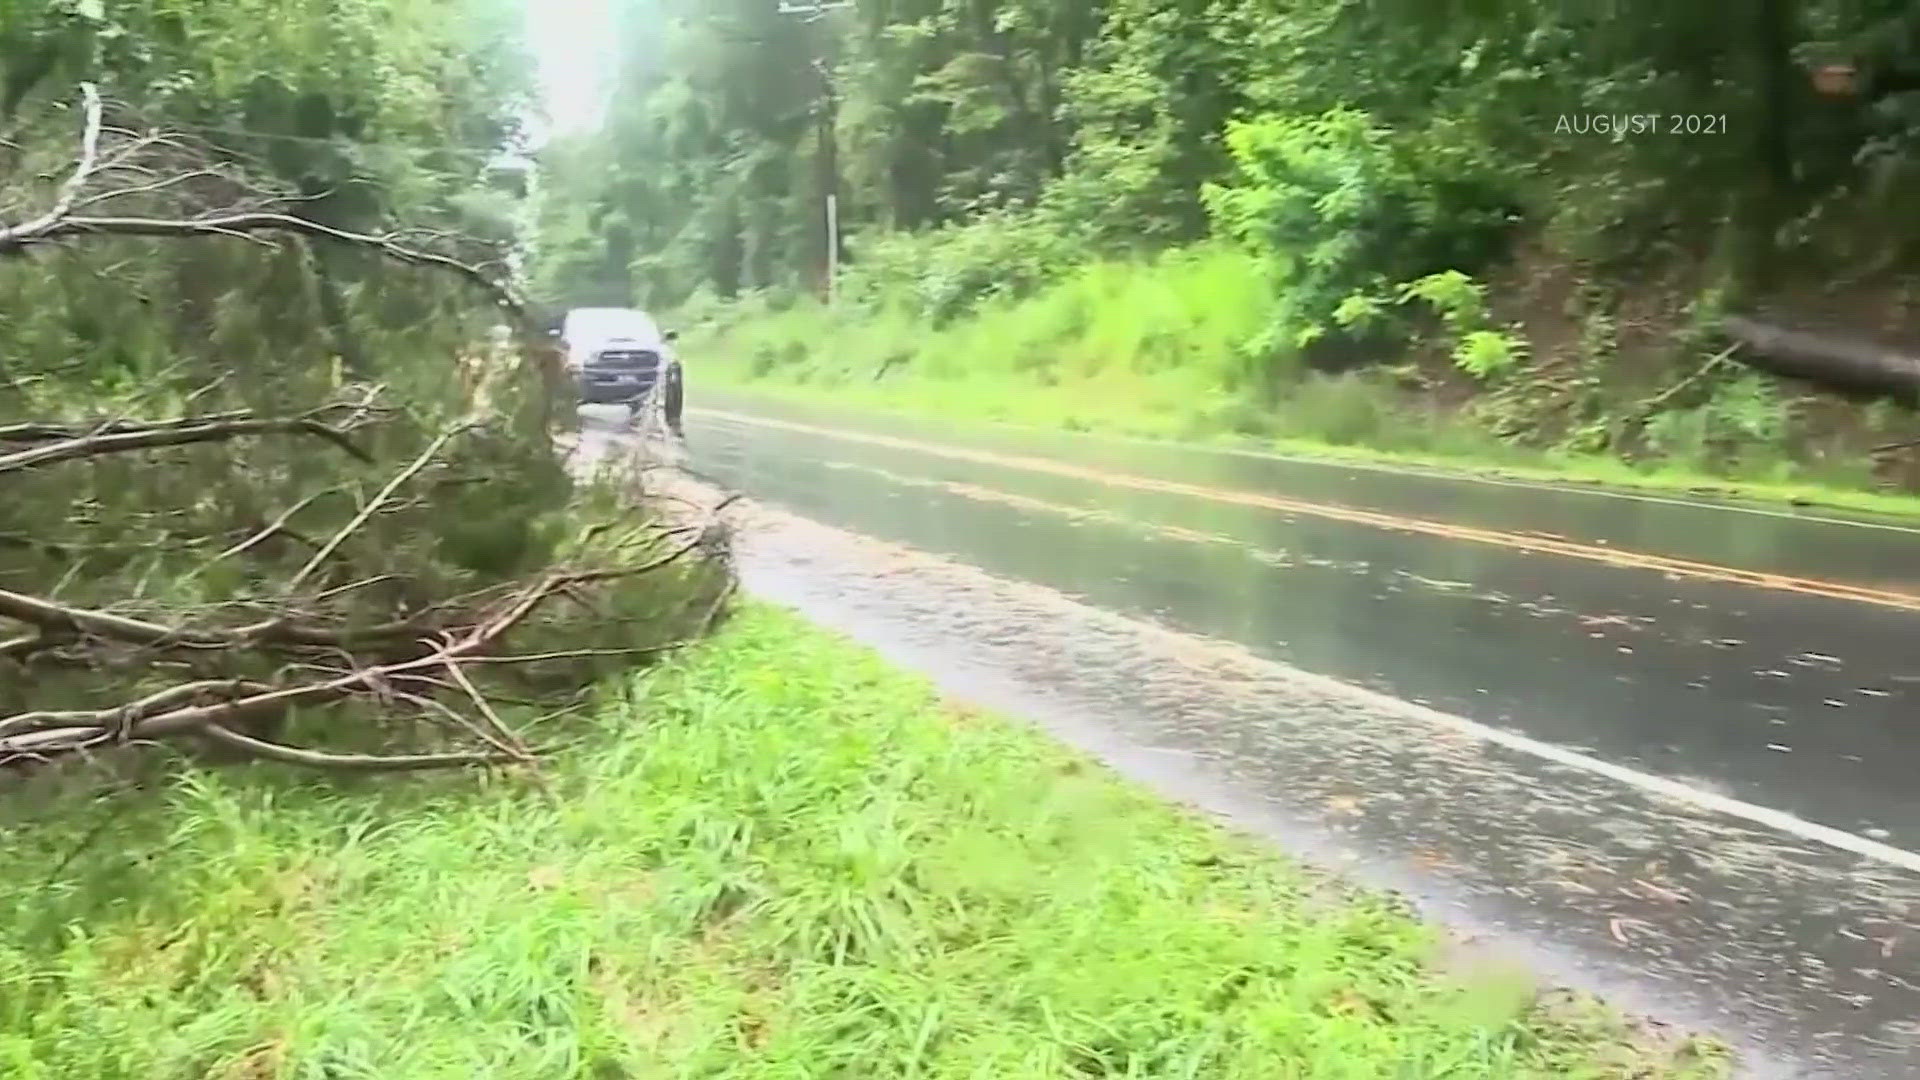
[1780, 698]
[1816, 542]
[1806, 703]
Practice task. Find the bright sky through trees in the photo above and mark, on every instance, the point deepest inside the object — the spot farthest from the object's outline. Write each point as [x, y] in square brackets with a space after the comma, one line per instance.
[573, 42]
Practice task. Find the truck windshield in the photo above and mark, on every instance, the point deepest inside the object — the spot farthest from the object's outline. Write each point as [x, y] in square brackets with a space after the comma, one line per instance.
[585, 326]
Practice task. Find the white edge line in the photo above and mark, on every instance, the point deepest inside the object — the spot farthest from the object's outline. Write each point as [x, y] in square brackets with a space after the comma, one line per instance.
[1768, 817]
[1777, 820]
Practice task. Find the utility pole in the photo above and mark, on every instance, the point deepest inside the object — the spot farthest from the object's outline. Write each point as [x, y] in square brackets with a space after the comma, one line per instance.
[829, 147]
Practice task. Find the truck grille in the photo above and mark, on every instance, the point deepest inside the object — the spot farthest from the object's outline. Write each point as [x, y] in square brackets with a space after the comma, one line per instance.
[626, 360]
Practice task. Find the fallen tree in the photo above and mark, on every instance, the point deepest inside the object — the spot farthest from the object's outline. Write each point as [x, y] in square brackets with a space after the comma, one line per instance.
[208, 534]
[1845, 364]
[418, 662]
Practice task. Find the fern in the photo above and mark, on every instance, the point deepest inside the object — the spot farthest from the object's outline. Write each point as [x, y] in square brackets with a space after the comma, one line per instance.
[1484, 354]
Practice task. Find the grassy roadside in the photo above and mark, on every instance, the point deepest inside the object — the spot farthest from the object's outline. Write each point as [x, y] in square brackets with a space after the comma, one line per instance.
[1155, 349]
[773, 857]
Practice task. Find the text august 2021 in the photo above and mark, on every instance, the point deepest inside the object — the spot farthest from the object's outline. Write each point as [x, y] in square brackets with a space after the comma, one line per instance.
[1641, 124]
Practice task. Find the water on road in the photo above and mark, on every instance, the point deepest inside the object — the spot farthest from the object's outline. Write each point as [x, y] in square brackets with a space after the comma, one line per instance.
[1792, 697]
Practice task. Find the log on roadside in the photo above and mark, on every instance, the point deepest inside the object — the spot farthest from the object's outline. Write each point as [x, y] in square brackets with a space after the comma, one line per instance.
[1844, 364]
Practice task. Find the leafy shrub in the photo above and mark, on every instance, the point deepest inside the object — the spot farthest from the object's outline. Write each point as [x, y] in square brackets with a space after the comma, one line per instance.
[944, 273]
[1484, 354]
[1339, 410]
[1460, 301]
[1339, 206]
[1461, 304]
[1749, 409]
[1745, 415]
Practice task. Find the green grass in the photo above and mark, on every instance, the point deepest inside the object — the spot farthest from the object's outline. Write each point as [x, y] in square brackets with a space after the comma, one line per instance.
[774, 857]
[1154, 349]
[1158, 350]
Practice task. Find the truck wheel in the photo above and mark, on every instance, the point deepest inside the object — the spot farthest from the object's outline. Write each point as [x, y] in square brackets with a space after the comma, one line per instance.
[675, 400]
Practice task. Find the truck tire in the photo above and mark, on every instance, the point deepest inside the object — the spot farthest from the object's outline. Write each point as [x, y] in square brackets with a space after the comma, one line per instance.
[675, 400]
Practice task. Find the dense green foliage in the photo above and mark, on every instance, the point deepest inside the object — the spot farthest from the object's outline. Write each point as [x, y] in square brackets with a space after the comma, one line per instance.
[805, 864]
[374, 109]
[376, 116]
[372, 112]
[1552, 197]
[1109, 117]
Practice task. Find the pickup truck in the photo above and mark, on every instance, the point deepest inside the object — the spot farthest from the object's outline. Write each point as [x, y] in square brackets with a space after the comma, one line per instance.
[620, 356]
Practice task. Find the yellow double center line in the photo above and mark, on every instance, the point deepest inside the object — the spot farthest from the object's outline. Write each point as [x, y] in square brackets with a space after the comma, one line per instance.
[1514, 541]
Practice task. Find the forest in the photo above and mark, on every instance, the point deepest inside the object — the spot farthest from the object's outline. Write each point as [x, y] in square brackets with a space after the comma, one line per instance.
[1562, 228]
[351, 727]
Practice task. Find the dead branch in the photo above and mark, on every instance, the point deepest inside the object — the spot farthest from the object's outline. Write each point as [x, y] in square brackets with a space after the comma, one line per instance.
[253, 226]
[62, 619]
[1651, 405]
[532, 597]
[355, 586]
[316, 759]
[20, 648]
[40, 432]
[257, 707]
[149, 188]
[459, 719]
[580, 654]
[277, 527]
[70, 621]
[118, 164]
[152, 704]
[82, 172]
[219, 431]
[495, 730]
[215, 708]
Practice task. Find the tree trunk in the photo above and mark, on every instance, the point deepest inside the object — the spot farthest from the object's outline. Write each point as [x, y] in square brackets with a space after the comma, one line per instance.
[1842, 364]
[1768, 198]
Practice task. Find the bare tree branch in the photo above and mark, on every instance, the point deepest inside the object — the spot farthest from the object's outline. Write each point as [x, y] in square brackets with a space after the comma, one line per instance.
[20, 648]
[178, 187]
[152, 704]
[246, 225]
[82, 172]
[316, 759]
[187, 709]
[70, 621]
[219, 431]
[149, 188]
[276, 527]
[579, 654]
[42, 432]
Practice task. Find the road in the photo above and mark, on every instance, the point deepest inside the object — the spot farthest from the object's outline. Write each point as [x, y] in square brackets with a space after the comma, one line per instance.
[1794, 696]
[1712, 708]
